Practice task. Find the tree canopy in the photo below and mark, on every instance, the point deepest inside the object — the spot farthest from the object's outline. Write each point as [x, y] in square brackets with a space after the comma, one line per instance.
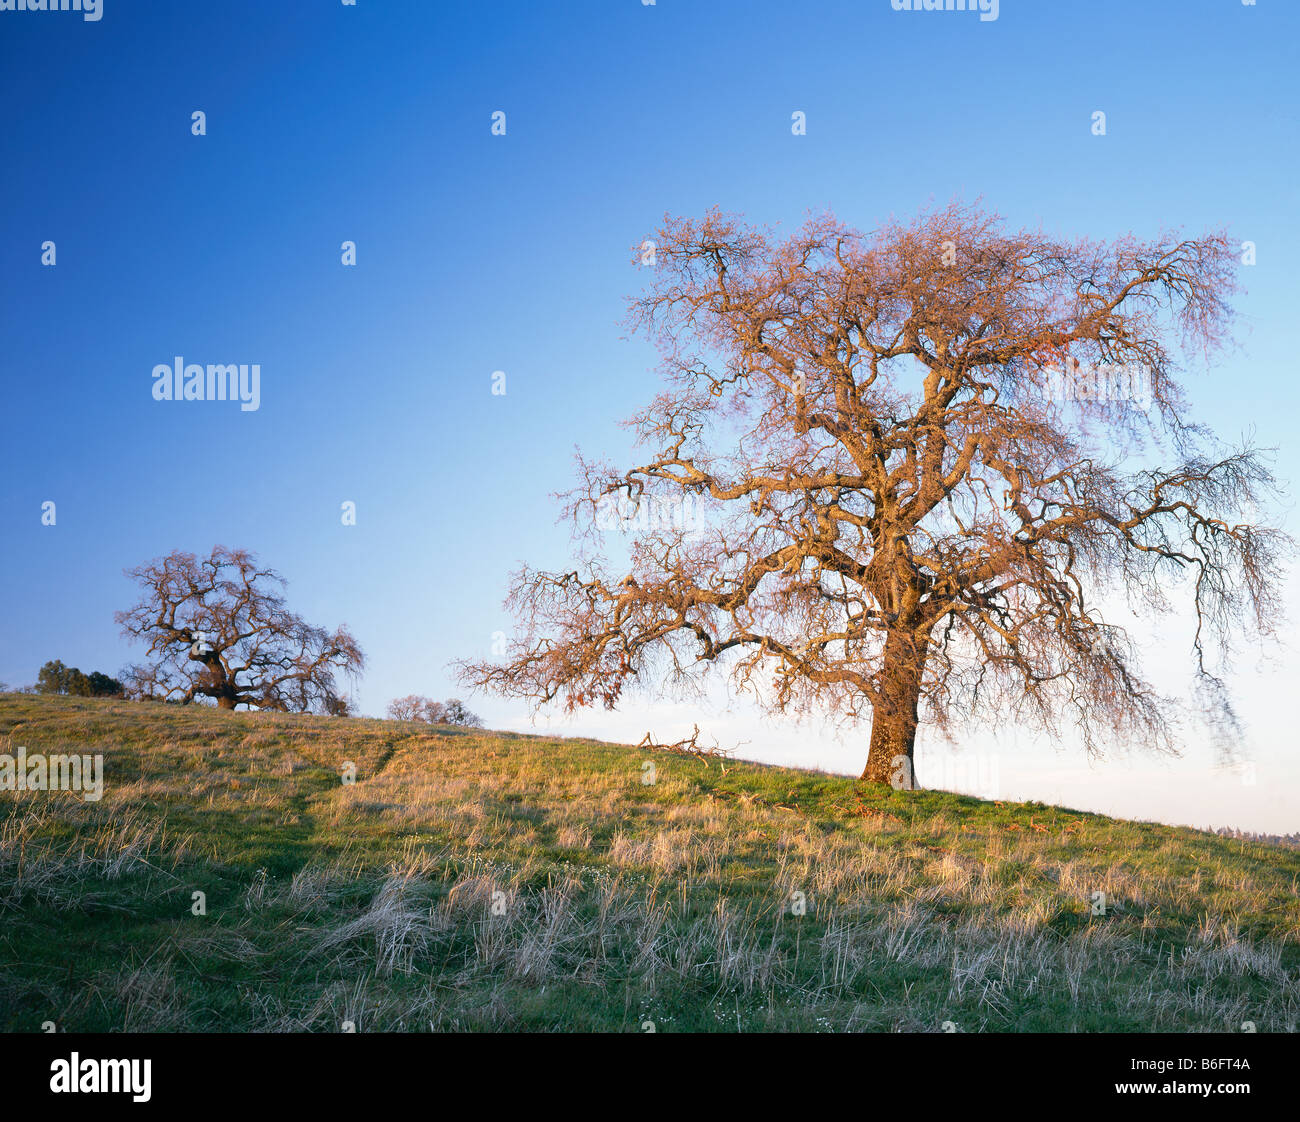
[218, 628]
[922, 456]
[55, 677]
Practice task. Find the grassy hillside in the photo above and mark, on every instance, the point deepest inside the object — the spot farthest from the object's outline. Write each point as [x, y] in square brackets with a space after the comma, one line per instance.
[489, 880]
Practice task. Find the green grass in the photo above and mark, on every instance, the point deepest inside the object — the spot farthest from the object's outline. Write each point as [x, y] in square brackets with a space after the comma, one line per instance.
[477, 880]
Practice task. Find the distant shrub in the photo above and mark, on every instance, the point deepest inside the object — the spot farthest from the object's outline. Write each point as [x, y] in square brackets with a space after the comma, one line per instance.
[101, 685]
[54, 677]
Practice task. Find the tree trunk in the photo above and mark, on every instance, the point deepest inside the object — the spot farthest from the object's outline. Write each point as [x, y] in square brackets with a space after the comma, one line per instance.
[894, 716]
[226, 701]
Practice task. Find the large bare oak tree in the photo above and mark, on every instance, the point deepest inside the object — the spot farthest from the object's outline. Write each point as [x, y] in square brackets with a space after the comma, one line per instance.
[922, 455]
[218, 628]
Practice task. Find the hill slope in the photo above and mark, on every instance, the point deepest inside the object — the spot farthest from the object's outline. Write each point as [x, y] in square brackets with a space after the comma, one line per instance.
[492, 880]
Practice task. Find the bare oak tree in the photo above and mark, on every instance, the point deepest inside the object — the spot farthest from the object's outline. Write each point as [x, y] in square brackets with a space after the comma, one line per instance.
[920, 456]
[219, 628]
[412, 707]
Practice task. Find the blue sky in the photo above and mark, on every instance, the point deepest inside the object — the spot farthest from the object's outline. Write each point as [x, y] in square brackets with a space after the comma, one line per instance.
[476, 253]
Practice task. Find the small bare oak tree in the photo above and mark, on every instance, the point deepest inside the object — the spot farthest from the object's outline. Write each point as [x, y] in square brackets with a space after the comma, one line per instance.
[408, 708]
[218, 628]
[416, 707]
[919, 456]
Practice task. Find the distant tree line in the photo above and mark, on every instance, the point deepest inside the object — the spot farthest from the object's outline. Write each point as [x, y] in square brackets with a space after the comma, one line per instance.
[453, 711]
[54, 677]
[1292, 840]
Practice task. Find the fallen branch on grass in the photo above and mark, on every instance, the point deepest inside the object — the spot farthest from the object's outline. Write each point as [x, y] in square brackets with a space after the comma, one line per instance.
[689, 747]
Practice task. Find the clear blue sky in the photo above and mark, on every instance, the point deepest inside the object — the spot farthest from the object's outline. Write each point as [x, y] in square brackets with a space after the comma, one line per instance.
[371, 123]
